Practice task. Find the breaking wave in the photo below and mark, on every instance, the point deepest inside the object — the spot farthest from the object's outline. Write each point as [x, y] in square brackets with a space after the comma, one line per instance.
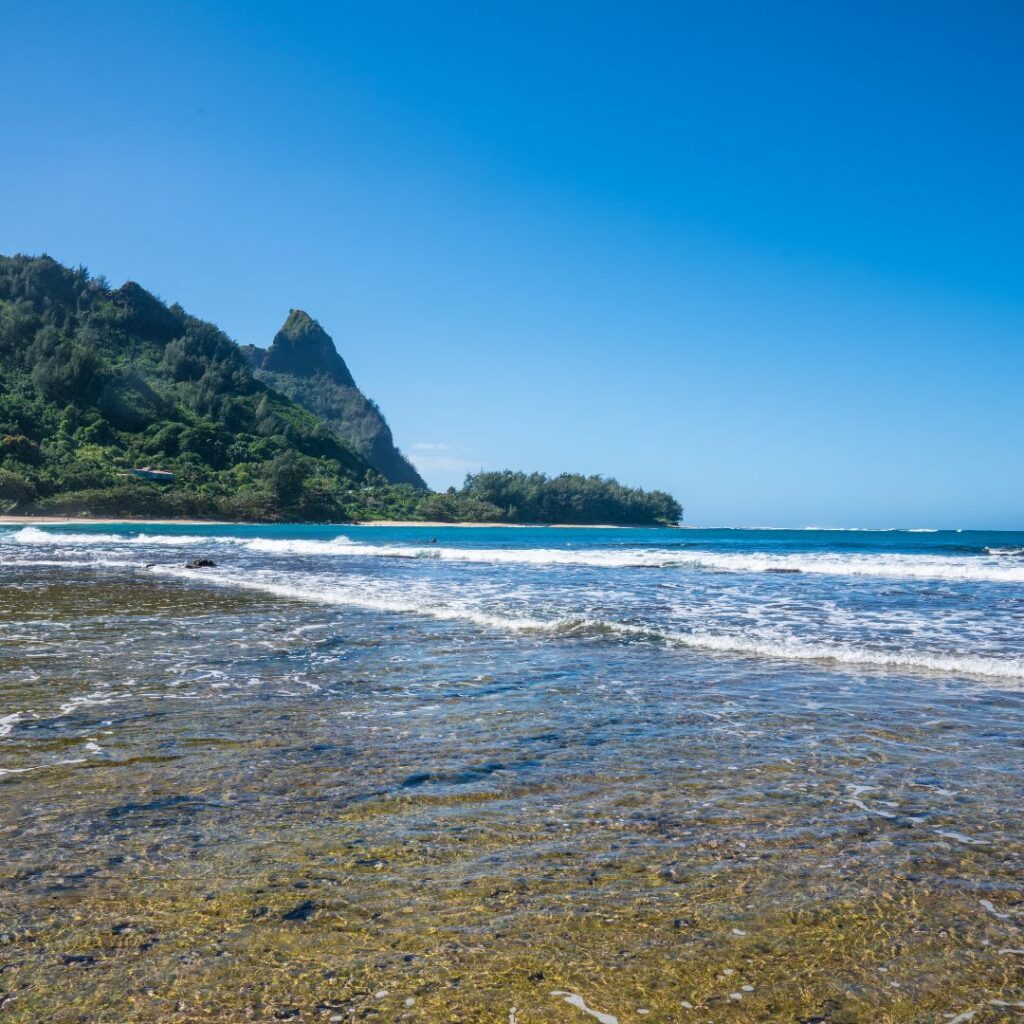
[60, 538]
[993, 566]
[366, 593]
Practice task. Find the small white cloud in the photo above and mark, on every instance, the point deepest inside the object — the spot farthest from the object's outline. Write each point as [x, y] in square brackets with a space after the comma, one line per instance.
[443, 464]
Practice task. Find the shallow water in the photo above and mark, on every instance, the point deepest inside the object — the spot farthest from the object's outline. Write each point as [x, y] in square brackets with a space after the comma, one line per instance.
[350, 768]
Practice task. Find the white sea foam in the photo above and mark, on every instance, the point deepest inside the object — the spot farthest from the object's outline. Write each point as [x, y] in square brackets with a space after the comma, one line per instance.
[962, 1018]
[938, 567]
[363, 593]
[39, 767]
[990, 907]
[336, 546]
[32, 535]
[793, 649]
[966, 568]
[74, 563]
[580, 1003]
[8, 722]
[959, 837]
[597, 557]
[376, 595]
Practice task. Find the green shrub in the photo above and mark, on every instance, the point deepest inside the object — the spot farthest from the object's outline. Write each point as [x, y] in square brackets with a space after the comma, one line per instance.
[15, 490]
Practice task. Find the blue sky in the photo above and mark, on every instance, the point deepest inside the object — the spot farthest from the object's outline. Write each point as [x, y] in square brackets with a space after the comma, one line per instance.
[769, 257]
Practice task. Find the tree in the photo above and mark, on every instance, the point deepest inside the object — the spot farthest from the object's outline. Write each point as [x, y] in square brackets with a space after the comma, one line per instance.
[285, 476]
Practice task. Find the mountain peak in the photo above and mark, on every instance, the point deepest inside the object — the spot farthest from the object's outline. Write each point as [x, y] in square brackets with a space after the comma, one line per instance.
[304, 349]
[303, 364]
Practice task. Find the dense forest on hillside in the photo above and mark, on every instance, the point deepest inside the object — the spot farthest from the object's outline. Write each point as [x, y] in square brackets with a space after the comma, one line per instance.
[97, 382]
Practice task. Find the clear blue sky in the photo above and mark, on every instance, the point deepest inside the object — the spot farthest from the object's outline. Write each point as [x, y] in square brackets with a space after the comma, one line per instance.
[769, 257]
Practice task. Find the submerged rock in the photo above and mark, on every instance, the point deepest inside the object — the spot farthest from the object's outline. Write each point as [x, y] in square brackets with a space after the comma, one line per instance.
[201, 563]
[78, 960]
[303, 912]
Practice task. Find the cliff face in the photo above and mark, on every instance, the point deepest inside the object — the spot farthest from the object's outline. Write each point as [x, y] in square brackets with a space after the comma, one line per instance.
[303, 364]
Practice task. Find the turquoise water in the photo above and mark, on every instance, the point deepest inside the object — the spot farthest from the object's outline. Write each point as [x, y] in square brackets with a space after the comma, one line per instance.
[942, 602]
[770, 775]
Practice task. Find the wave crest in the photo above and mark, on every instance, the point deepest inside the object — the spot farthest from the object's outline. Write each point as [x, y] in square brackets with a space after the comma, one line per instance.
[362, 593]
[993, 566]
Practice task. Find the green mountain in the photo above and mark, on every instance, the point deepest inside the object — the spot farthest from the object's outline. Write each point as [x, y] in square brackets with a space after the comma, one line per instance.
[304, 364]
[113, 403]
[96, 382]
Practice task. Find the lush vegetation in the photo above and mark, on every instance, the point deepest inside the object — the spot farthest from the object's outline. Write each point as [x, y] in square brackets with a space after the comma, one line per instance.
[512, 497]
[95, 382]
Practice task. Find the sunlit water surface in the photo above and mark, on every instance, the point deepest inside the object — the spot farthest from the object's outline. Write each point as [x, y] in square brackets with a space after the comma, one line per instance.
[511, 775]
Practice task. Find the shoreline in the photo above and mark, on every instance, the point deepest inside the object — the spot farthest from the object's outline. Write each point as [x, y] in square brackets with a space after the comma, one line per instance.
[34, 520]
[437, 524]
[6, 520]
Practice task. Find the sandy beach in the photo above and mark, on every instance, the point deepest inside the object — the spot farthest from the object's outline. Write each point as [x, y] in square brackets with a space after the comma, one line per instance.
[491, 526]
[67, 520]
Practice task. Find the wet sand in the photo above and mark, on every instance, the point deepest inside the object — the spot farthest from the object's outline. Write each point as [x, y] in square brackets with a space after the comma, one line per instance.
[8, 520]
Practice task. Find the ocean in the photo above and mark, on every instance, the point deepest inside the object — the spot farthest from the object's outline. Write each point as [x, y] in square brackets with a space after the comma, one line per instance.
[526, 774]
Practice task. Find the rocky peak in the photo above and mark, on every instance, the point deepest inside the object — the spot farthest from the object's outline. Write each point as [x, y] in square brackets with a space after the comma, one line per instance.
[303, 348]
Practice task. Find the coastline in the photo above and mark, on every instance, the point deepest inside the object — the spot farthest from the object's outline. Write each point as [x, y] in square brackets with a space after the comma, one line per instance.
[7, 520]
[437, 524]
[10, 520]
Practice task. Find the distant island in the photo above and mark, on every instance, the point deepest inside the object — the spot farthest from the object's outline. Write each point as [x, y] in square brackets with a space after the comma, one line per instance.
[113, 403]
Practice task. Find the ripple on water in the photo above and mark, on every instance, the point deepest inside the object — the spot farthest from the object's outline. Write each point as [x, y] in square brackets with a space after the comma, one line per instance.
[477, 819]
